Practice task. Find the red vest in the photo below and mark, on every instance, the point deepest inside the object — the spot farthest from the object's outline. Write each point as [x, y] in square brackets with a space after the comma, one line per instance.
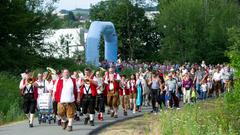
[115, 84]
[133, 88]
[60, 87]
[125, 89]
[92, 87]
[35, 90]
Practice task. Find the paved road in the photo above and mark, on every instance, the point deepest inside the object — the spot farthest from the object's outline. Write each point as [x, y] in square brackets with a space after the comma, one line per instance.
[21, 128]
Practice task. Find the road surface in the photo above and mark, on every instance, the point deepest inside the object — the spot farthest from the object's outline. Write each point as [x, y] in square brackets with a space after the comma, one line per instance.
[21, 128]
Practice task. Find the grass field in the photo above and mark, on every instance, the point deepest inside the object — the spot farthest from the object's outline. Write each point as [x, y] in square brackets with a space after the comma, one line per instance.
[203, 118]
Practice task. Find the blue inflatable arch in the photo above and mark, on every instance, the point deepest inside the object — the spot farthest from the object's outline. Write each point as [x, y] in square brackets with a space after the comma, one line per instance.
[98, 28]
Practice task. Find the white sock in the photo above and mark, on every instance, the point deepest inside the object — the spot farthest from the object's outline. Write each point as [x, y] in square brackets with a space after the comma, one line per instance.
[70, 121]
[63, 119]
[86, 116]
[91, 117]
[58, 118]
[115, 111]
[28, 116]
[31, 118]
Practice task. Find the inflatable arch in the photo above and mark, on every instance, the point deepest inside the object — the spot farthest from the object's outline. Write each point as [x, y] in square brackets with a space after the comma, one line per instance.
[97, 28]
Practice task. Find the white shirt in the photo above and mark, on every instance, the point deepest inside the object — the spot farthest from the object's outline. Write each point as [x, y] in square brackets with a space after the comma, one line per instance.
[132, 84]
[87, 89]
[67, 95]
[118, 78]
[204, 87]
[99, 81]
[43, 83]
[51, 85]
[217, 76]
[28, 86]
[107, 78]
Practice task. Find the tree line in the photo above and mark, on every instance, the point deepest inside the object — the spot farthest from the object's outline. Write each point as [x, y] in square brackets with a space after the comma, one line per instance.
[184, 30]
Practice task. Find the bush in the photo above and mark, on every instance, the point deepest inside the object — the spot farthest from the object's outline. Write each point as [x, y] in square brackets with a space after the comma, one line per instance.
[232, 100]
[204, 118]
[10, 100]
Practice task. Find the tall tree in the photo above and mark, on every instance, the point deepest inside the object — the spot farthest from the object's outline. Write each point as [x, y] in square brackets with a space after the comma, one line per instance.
[23, 24]
[133, 28]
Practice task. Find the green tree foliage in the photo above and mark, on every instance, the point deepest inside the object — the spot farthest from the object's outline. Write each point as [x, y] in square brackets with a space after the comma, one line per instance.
[136, 34]
[232, 100]
[69, 21]
[23, 24]
[195, 30]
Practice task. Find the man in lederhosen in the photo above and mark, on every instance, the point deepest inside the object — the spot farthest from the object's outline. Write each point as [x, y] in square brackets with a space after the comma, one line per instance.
[111, 80]
[124, 94]
[66, 93]
[100, 105]
[52, 86]
[29, 92]
[88, 93]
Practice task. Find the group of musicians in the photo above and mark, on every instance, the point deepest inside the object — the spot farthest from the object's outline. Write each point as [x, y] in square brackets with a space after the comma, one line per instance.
[71, 93]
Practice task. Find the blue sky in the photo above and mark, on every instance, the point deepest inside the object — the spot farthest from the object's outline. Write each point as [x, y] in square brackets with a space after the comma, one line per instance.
[72, 4]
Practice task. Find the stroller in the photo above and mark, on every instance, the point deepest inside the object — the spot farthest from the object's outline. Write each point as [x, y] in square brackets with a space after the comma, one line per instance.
[45, 109]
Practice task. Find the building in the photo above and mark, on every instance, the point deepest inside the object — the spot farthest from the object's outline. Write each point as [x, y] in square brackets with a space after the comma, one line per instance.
[151, 14]
[66, 42]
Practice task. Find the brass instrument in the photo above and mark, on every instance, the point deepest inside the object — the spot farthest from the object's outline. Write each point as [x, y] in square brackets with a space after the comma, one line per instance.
[51, 72]
[102, 69]
[30, 81]
[86, 80]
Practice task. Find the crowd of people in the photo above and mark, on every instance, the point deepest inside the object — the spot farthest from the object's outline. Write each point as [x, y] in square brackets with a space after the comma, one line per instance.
[108, 90]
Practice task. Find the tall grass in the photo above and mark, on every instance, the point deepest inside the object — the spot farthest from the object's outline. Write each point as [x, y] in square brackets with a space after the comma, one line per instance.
[10, 100]
[204, 118]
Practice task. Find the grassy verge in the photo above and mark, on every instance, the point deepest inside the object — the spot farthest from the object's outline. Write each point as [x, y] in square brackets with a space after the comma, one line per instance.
[203, 118]
[10, 100]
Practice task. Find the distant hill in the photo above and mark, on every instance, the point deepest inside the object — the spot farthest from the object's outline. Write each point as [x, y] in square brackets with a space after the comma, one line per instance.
[85, 12]
[82, 12]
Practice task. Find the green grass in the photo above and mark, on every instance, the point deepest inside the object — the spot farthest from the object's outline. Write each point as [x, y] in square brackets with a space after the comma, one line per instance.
[10, 100]
[204, 118]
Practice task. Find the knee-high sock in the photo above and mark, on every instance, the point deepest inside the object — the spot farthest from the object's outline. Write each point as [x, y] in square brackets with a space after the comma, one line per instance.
[63, 119]
[70, 121]
[91, 117]
[115, 110]
[86, 115]
[31, 118]
[58, 117]
[28, 116]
